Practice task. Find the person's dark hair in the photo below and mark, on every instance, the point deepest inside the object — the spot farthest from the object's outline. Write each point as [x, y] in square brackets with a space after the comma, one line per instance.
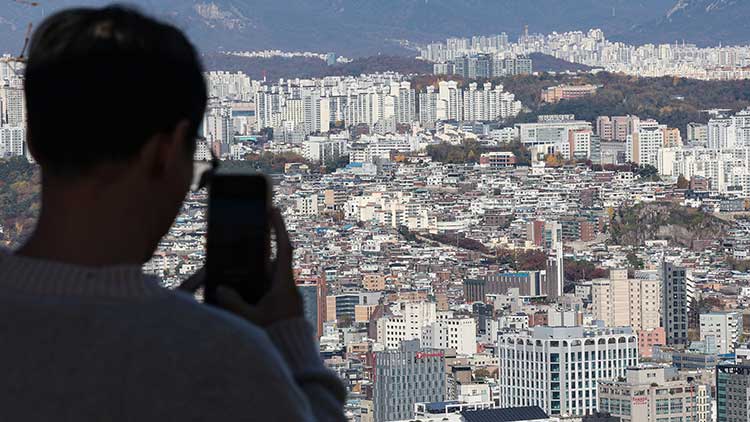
[100, 82]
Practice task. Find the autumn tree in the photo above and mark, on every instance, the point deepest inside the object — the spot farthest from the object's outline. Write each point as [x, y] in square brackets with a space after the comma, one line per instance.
[682, 182]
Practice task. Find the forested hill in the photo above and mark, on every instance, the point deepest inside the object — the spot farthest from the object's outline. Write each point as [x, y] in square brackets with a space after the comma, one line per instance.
[299, 67]
[671, 101]
[19, 199]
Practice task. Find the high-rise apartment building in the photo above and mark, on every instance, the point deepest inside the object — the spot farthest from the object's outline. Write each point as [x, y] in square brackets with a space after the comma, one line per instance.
[12, 141]
[677, 292]
[559, 368]
[697, 133]
[729, 132]
[616, 128]
[431, 108]
[721, 134]
[217, 125]
[405, 102]
[655, 394]
[13, 102]
[733, 392]
[578, 145]
[672, 137]
[643, 145]
[451, 94]
[404, 377]
[724, 327]
[622, 301]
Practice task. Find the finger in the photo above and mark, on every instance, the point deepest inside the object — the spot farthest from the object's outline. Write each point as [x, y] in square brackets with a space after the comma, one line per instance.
[230, 300]
[194, 282]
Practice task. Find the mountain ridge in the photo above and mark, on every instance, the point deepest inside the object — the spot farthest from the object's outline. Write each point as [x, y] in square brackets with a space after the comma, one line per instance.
[366, 27]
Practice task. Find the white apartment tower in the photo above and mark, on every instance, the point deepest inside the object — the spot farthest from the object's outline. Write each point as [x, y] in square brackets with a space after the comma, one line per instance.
[449, 92]
[429, 104]
[13, 104]
[405, 102]
[217, 125]
[643, 145]
[721, 134]
[12, 141]
[725, 327]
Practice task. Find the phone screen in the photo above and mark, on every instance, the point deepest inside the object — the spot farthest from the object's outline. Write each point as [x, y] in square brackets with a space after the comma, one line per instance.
[238, 236]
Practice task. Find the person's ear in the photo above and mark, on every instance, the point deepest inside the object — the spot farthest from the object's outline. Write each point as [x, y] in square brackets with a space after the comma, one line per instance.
[168, 149]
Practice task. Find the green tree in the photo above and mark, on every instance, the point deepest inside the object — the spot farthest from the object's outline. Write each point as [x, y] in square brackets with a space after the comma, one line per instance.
[648, 172]
[634, 261]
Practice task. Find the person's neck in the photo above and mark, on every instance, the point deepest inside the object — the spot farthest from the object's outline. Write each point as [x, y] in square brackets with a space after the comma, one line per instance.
[109, 234]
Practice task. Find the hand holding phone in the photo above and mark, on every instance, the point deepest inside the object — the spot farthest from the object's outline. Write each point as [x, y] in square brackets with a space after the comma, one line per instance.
[283, 301]
[238, 240]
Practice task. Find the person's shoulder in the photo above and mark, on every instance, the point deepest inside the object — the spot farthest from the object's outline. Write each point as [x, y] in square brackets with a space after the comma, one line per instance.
[207, 332]
[210, 321]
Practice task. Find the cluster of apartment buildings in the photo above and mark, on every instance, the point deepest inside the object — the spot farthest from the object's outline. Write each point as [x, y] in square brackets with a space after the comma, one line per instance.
[591, 48]
[381, 103]
[485, 66]
[718, 153]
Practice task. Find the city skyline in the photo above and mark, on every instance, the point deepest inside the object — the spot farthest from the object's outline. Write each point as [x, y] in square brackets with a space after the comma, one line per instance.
[485, 240]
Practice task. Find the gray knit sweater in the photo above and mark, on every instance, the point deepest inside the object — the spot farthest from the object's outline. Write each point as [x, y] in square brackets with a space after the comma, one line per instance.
[80, 344]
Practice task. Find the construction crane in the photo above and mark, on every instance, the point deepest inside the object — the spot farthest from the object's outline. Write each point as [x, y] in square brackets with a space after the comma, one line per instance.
[21, 57]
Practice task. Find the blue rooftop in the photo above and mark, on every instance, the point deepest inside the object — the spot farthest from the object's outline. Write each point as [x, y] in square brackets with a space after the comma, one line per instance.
[513, 414]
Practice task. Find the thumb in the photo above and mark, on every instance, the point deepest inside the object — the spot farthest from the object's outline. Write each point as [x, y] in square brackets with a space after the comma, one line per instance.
[230, 300]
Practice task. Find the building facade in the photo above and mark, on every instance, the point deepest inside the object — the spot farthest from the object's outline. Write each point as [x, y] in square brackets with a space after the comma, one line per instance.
[733, 392]
[655, 394]
[677, 292]
[559, 368]
[621, 301]
[404, 377]
[724, 327]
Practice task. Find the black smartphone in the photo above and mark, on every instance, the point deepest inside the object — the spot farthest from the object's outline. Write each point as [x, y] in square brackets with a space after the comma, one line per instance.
[238, 244]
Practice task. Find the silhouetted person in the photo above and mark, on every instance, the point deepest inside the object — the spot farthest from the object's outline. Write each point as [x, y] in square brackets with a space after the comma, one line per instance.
[115, 100]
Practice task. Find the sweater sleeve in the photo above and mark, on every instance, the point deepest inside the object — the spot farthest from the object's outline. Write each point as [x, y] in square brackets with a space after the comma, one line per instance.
[323, 389]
